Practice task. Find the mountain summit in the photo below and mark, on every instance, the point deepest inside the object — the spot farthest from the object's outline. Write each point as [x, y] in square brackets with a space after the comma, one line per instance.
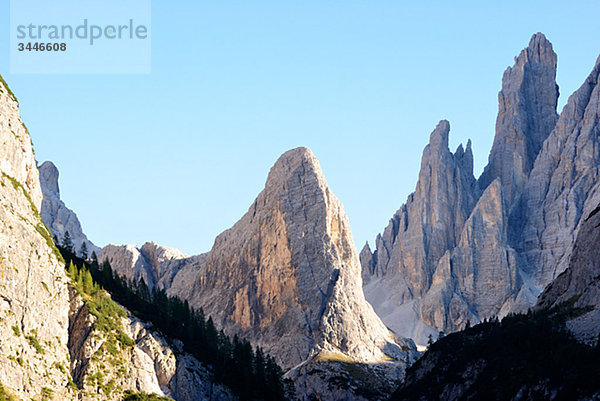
[287, 275]
[526, 116]
[460, 251]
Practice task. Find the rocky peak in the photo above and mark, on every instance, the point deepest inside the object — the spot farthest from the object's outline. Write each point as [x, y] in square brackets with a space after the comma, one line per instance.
[295, 163]
[401, 269]
[526, 116]
[56, 215]
[49, 179]
[155, 264]
[562, 184]
[432, 218]
[438, 139]
[367, 262]
[287, 275]
[542, 177]
[467, 160]
[158, 254]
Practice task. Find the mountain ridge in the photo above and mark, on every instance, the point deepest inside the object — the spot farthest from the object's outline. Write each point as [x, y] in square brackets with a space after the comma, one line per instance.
[533, 156]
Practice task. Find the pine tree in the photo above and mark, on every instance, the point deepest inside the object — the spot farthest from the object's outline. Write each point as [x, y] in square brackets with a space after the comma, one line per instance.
[88, 283]
[429, 341]
[67, 242]
[79, 280]
[252, 375]
[72, 271]
[83, 251]
[143, 291]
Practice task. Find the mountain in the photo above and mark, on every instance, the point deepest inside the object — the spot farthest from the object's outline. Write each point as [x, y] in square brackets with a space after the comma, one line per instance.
[562, 187]
[56, 215]
[523, 357]
[60, 340]
[550, 353]
[286, 276]
[526, 116]
[579, 284]
[34, 300]
[494, 243]
[419, 234]
[289, 270]
[157, 265]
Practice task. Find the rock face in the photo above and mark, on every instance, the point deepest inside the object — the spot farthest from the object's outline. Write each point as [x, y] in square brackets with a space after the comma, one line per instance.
[480, 276]
[402, 267]
[151, 365]
[58, 217]
[526, 116]
[48, 335]
[580, 283]
[157, 265]
[34, 300]
[431, 220]
[286, 277]
[494, 245]
[561, 186]
[18, 160]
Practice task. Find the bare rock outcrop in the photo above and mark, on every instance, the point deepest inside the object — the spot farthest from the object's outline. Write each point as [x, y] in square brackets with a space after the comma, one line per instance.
[287, 275]
[401, 270]
[579, 284]
[51, 345]
[515, 239]
[562, 186]
[157, 265]
[56, 215]
[526, 116]
[34, 300]
[480, 278]
[103, 367]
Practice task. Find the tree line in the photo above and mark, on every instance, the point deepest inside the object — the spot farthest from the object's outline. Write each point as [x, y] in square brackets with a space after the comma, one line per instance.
[250, 373]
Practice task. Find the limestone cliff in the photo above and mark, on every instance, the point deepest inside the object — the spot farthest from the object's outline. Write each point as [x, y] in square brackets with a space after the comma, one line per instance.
[51, 346]
[157, 265]
[526, 116]
[34, 301]
[505, 246]
[579, 284]
[56, 215]
[480, 277]
[286, 277]
[419, 234]
[562, 186]
[138, 358]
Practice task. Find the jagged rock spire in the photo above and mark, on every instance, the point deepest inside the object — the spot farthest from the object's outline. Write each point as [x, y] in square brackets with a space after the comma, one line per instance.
[56, 215]
[421, 232]
[526, 116]
[562, 185]
[430, 221]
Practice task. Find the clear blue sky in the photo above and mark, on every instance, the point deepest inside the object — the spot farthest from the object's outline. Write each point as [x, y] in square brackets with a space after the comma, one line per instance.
[178, 156]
